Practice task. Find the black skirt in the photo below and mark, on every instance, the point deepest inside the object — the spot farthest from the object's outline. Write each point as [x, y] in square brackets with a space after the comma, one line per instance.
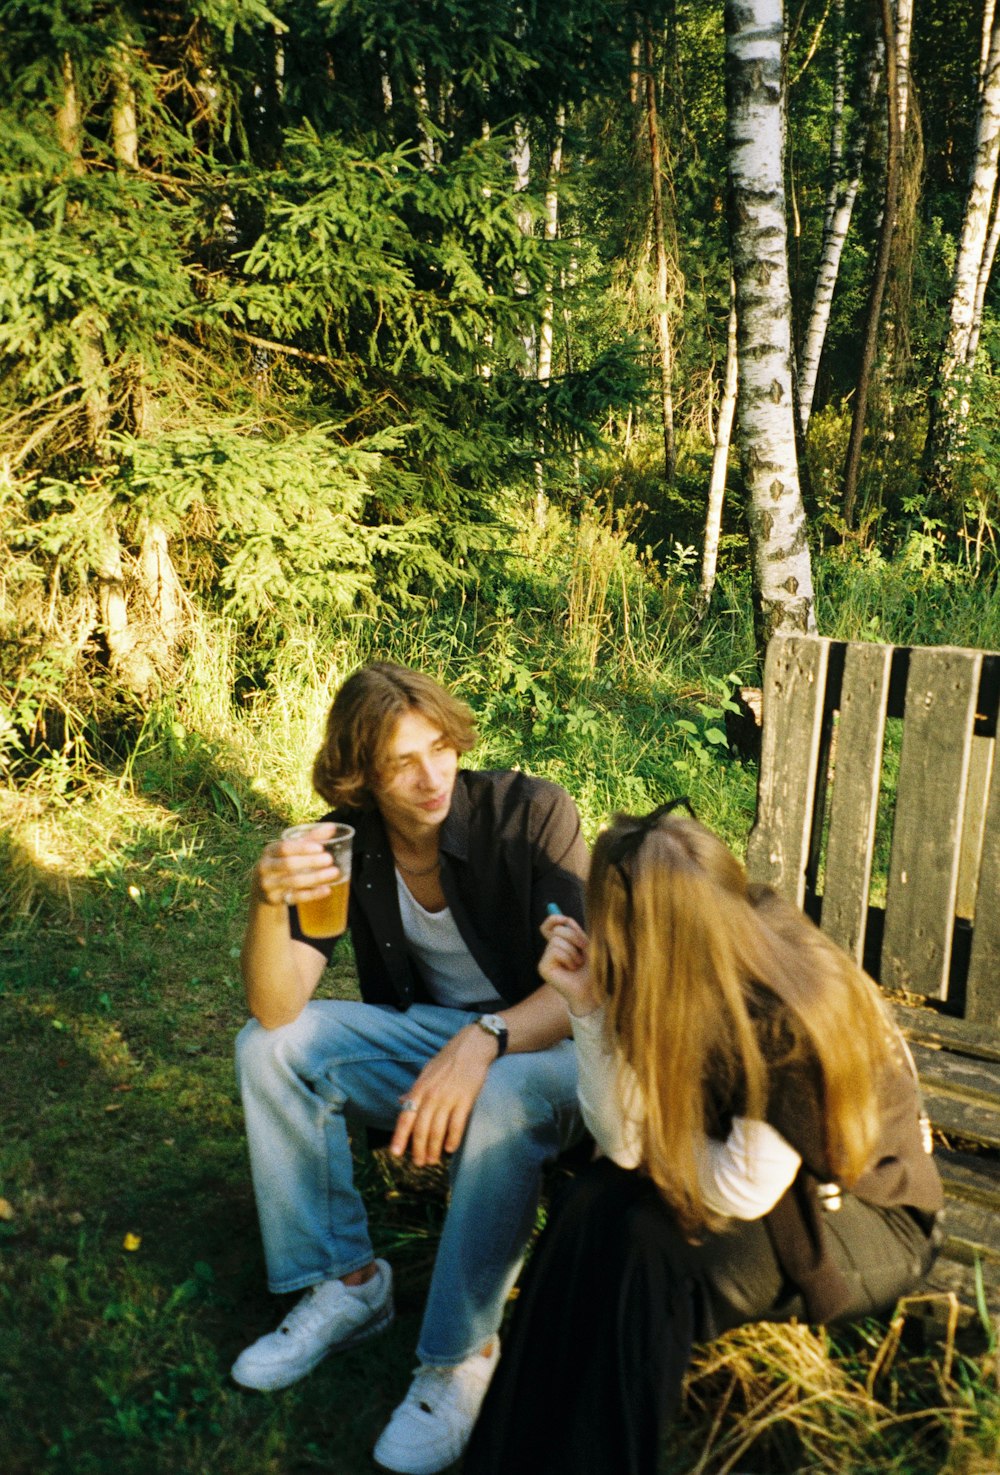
[615, 1298]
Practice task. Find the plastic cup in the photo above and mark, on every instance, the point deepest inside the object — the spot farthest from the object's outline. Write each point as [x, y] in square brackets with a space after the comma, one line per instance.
[327, 915]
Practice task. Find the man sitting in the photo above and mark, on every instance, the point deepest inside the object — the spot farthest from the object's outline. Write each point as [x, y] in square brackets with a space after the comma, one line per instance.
[457, 1047]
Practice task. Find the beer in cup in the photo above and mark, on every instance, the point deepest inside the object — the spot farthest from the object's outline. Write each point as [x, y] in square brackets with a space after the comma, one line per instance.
[327, 916]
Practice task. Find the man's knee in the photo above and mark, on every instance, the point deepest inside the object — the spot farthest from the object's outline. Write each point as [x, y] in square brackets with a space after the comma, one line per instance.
[259, 1051]
[253, 1044]
[513, 1116]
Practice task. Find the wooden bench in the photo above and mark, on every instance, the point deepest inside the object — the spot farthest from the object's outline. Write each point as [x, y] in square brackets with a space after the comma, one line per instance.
[878, 811]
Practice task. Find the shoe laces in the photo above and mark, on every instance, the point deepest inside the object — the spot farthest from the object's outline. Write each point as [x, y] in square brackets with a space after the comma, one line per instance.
[428, 1386]
[436, 1388]
[307, 1314]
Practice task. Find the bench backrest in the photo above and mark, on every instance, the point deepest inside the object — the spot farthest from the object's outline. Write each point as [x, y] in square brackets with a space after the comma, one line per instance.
[878, 811]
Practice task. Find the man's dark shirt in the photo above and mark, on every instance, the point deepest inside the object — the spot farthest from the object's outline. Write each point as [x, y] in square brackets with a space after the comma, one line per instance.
[510, 845]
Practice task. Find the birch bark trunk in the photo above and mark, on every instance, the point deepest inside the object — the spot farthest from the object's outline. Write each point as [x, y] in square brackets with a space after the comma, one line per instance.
[663, 335]
[904, 33]
[520, 159]
[880, 273]
[720, 461]
[845, 179]
[783, 587]
[993, 240]
[949, 413]
[545, 332]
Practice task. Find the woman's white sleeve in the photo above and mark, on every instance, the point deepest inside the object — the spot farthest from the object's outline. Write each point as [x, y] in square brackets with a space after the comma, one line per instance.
[608, 1092]
[744, 1177]
[740, 1178]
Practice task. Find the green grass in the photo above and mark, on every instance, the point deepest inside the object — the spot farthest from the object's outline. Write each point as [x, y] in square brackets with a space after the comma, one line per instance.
[130, 1267]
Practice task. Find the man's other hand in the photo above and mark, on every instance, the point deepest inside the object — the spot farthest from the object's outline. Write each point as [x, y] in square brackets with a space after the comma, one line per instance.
[437, 1106]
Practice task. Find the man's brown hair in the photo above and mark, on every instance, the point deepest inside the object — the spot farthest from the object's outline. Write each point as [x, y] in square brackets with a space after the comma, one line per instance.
[362, 721]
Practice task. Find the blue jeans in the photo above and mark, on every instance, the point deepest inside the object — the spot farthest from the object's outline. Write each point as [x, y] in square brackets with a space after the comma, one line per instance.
[346, 1058]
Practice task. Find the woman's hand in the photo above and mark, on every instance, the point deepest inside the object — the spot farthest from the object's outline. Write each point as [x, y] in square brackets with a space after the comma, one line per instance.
[565, 964]
[293, 871]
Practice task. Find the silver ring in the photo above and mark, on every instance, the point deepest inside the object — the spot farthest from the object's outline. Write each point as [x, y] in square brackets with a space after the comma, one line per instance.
[287, 898]
[409, 1105]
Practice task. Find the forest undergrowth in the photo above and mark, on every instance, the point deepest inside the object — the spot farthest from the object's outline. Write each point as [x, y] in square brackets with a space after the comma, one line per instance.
[131, 1272]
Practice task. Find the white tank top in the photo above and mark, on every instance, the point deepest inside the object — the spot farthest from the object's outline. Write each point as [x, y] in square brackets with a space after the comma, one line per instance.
[451, 973]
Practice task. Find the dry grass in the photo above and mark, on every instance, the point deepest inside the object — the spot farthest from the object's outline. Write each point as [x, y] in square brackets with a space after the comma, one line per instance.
[794, 1399]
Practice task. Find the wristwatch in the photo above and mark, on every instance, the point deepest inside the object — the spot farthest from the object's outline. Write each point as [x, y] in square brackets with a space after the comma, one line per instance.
[494, 1025]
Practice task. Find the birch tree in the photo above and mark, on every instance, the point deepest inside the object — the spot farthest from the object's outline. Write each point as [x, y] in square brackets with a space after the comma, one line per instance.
[546, 327]
[783, 587]
[845, 179]
[720, 460]
[662, 311]
[950, 412]
[880, 272]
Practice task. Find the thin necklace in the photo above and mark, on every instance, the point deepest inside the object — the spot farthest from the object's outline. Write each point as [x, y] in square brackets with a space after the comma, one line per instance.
[412, 871]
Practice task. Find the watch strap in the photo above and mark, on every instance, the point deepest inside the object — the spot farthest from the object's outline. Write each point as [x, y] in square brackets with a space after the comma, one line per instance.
[493, 1025]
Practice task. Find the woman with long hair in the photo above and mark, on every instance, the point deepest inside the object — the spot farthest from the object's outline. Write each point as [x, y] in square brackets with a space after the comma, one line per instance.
[763, 1152]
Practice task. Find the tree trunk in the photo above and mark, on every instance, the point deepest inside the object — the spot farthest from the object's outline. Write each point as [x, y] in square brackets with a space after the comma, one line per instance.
[545, 334]
[989, 9]
[720, 461]
[985, 272]
[155, 570]
[520, 158]
[428, 148]
[903, 33]
[993, 240]
[845, 178]
[89, 351]
[162, 589]
[880, 273]
[783, 588]
[949, 413]
[124, 122]
[662, 275]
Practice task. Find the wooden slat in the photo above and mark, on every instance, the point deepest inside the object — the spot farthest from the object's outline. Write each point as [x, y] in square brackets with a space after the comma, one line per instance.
[960, 1075]
[982, 995]
[854, 804]
[971, 847]
[972, 1230]
[973, 1179]
[930, 800]
[794, 685]
[932, 1028]
[962, 1117]
[961, 1094]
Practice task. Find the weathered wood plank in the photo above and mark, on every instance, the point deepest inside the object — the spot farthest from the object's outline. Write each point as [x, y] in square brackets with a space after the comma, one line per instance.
[982, 995]
[959, 1075]
[973, 822]
[975, 1179]
[961, 1116]
[972, 1229]
[930, 801]
[854, 803]
[794, 685]
[932, 1028]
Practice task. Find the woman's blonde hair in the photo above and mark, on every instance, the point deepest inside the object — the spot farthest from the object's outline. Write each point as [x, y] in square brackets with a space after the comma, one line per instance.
[681, 948]
[362, 721]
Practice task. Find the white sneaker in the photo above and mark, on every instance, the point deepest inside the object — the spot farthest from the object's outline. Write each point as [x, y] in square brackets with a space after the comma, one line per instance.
[330, 1316]
[433, 1424]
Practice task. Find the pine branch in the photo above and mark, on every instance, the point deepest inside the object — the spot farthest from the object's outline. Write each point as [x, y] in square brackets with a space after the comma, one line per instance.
[285, 348]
